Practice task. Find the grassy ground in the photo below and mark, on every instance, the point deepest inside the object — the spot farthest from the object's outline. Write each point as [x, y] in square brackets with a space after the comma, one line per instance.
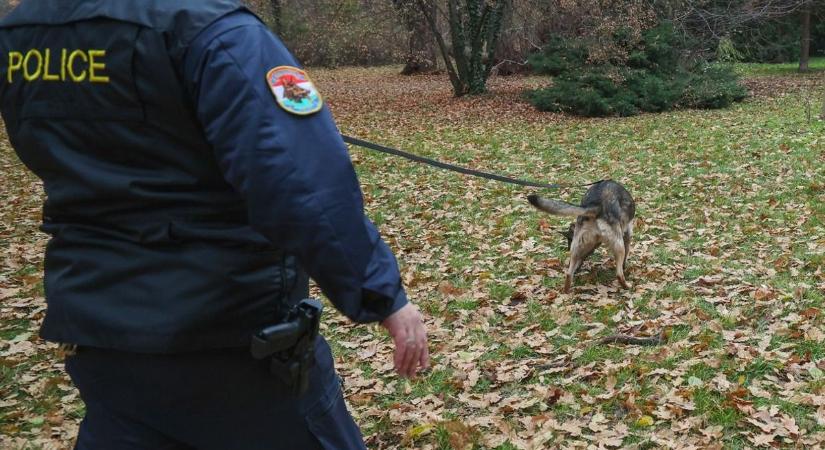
[727, 262]
[787, 69]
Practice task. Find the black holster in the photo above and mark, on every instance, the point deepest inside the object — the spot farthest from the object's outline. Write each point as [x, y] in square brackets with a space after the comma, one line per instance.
[290, 345]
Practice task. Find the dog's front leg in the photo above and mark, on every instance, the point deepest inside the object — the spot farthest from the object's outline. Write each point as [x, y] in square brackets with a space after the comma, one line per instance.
[568, 280]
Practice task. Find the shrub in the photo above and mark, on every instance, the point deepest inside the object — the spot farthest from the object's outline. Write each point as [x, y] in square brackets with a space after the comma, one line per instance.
[714, 86]
[727, 52]
[584, 99]
[653, 77]
[559, 56]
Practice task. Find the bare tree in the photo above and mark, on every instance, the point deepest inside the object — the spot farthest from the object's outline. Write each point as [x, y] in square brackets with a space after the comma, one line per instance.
[275, 9]
[715, 19]
[269, 11]
[421, 56]
[822, 113]
[721, 16]
[805, 53]
[474, 29]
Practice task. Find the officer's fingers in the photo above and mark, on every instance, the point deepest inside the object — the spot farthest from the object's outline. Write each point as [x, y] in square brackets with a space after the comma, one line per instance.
[421, 357]
[424, 360]
[415, 363]
[400, 349]
[420, 346]
[410, 357]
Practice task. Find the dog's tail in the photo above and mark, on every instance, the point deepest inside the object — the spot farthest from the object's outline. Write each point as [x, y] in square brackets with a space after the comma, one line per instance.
[559, 208]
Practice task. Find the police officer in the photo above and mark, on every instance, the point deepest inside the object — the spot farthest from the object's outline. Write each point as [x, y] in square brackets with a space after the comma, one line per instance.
[194, 181]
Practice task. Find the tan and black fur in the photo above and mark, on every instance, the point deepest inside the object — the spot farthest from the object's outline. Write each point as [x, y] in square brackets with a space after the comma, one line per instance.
[605, 216]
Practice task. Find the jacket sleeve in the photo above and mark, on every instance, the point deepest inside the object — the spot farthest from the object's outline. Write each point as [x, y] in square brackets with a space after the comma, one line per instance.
[294, 172]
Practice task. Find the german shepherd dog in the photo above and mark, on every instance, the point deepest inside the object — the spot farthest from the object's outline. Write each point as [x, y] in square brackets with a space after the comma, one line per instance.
[605, 216]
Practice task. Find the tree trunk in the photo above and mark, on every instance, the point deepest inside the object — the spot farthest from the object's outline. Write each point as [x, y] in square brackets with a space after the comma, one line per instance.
[461, 52]
[268, 10]
[429, 11]
[474, 27]
[275, 10]
[805, 54]
[822, 113]
[421, 56]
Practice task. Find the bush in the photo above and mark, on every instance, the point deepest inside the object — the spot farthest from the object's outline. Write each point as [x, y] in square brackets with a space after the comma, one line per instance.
[714, 86]
[727, 52]
[653, 77]
[584, 99]
[559, 56]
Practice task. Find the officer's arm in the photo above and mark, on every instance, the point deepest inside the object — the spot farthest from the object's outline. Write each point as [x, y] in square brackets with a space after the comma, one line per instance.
[293, 171]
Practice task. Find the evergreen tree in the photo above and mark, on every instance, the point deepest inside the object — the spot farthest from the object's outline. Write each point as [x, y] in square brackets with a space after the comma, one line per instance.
[655, 76]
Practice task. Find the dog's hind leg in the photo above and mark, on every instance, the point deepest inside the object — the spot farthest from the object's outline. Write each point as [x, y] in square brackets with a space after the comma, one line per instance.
[627, 236]
[619, 254]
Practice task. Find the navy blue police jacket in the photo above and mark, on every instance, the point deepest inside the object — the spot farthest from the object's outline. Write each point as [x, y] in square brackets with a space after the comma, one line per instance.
[183, 203]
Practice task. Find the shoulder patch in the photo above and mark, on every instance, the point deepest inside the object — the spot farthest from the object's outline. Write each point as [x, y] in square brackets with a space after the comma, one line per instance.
[294, 91]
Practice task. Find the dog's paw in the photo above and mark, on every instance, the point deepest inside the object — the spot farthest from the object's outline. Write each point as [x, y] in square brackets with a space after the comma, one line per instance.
[623, 283]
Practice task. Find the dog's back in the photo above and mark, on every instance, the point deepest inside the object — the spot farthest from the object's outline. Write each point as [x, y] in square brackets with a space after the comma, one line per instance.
[610, 201]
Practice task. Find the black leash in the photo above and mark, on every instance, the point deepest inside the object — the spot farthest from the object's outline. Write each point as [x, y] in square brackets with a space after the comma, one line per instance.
[446, 166]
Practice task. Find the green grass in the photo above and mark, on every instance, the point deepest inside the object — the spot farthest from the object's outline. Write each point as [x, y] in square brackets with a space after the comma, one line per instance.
[816, 64]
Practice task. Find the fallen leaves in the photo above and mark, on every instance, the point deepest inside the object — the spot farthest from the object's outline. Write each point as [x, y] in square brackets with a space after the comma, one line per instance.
[711, 265]
[771, 425]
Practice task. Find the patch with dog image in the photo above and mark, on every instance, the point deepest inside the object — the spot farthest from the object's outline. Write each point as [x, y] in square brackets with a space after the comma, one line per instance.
[294, 91]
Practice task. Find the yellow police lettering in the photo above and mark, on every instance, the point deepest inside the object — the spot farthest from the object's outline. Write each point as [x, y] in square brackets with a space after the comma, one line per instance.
[94, 77]
[46, 75]
[63, 55]
[70, 65]
[75, 65]
[28, 75]
[15, 63]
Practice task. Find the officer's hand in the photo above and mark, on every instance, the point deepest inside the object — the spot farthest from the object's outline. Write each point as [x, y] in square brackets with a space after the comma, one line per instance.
[407, 330]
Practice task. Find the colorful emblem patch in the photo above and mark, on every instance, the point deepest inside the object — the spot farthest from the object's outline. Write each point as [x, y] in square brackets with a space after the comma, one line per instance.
[294, 91]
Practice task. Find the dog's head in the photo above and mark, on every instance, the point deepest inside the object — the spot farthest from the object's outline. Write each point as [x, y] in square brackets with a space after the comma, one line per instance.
[569, 234]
